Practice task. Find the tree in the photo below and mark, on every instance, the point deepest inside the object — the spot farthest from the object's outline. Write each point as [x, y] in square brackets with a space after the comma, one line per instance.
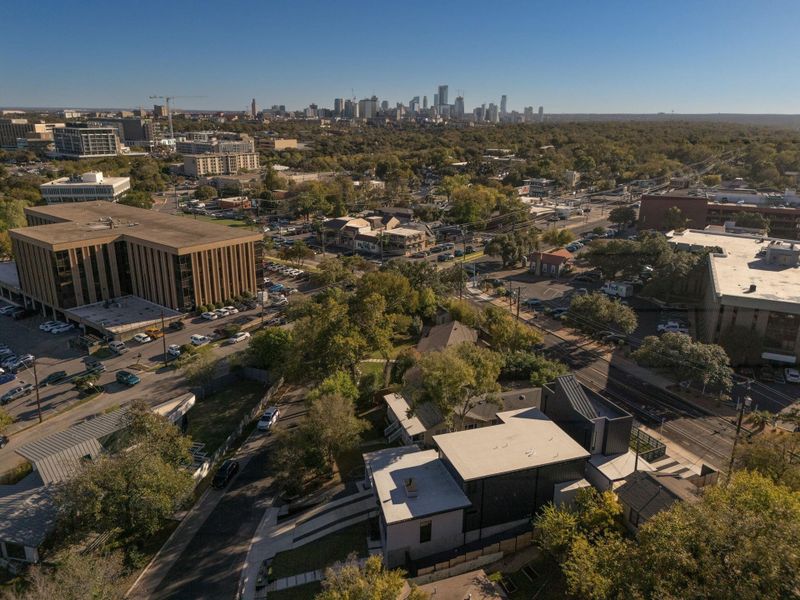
[372, 581]
[297, 253]
[687, 360]
[507, 334]
[205, 192]
[558, 238]
[333, 425]
[473, 204]
[622, 215]
[674, 219]
[752, 220]
[513, 247]
[455, 379]
[76, 577]
[138, 199]
[199, 370]
[274, 181]
[615, 257]
[270, 348]
[596, 312]
[135, 490]
[711, 180]
[774, 455]
[336, 384]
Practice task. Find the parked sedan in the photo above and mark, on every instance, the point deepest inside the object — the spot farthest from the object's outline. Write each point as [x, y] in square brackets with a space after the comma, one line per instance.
[142, 338]
[53, 378]
[199, 340]
[225, 473]
[7, 377]
[268, 419]
[221, 312]
[176, 325]
[48, 325]
[64, 327]
[174, 350]
[792, 375]
[238, 337]
[232, 310]
[210, 316]
[18, 392]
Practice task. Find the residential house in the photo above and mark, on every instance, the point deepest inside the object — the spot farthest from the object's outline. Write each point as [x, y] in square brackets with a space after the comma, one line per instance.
[645, 494]
[550, 264]
[442, 336]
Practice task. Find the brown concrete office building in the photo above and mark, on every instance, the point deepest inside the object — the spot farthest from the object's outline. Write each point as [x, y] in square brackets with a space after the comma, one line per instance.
[77, 254]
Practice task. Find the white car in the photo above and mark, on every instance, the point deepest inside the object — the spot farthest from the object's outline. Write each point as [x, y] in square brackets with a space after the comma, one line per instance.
[48, 325]
[268, 419]
[792, 375]
[221, 312]
[62, 328]
[671, 327]
[210, 316]
[199, 340]
[232, 310]
[142, 338]
[280, 301]
[174, 350]
[239, 337]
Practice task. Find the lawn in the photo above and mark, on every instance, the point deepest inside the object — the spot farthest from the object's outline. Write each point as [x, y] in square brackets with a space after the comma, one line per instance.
[322, 553]
[301, 592]
[213, 419]
[228, 222]
[399, 343]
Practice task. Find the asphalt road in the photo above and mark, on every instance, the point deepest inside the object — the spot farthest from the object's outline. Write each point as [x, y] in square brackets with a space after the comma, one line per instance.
[210, 566]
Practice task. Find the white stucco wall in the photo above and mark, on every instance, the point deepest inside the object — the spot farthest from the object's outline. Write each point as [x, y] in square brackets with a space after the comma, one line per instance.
[404, 537]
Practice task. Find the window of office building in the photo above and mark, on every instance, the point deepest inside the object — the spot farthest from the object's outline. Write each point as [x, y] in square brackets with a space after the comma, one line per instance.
[781, 331]
[425, 531]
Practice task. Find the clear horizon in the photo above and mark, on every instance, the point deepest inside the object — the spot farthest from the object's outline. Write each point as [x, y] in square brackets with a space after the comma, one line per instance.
[573, 57]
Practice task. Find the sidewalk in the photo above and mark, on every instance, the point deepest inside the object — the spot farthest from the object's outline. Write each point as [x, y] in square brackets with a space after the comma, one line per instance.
[154, 573]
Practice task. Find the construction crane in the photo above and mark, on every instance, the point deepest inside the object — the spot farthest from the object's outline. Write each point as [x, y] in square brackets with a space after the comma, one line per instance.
[167, 100]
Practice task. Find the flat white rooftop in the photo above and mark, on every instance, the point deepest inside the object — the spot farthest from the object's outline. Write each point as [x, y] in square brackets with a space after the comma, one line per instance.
[739, 268]
[525, 439]
[436, 490]
[400, 407]
[619, 466]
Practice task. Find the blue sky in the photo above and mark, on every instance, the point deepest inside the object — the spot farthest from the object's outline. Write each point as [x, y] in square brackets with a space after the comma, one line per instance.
[570, 56]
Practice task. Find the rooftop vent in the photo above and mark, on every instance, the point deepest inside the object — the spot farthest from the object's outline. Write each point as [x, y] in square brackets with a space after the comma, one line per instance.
[752, 288]
[410, 485]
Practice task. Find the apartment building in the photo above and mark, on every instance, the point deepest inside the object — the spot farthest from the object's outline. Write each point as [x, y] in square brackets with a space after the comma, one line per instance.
[86, 140]
[201, 165]
[74, 254]
[85, 188]
[213, 145]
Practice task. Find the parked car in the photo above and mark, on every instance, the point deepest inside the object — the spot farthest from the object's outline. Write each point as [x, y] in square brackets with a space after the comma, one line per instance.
[210, 316]
[232, 310]
[18, 392]
[174, 350]
[53, 378]
[671, 327]
[154, 332]
[614, 338]
[558, 313]
[221, 312]
[280, 301]
[177, 326]
[791, 375]
[7, 377]
[63, 328]
[469, 249]
[239, 337]
[3, 441]
[419, 255]
[127, 378]
[225, 473]
[48, 325]
[142, 338]
[6, 310]
[532, 302]
[199, 340]
[8, 361]
[278, 287]
[118, 347]
[95, 366]
[268, 419]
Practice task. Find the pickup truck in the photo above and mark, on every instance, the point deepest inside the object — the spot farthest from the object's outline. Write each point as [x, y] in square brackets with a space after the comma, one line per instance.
[615, 288]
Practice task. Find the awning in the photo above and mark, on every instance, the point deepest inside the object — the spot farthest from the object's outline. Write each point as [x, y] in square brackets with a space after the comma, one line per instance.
[784, 358]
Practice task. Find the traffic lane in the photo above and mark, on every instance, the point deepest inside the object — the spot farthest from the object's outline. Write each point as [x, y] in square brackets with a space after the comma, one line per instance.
[211, 564]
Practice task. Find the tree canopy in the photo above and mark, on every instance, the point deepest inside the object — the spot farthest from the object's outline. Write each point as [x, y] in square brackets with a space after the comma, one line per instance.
[597, 312]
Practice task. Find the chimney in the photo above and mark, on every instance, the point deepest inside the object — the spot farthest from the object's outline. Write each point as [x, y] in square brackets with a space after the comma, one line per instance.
[410, 486]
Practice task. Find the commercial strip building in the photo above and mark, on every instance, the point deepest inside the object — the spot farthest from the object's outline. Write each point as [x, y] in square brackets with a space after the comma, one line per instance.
[76, 254]
[370, 234]
[701, 208]
[752, 284]
[84, 188]
[202, 165]
[86, 140]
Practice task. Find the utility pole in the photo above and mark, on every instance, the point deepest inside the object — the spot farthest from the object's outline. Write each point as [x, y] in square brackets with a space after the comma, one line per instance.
[164, 338]
[742, 405]
[38, 400]
[636, 462]
[519, 292]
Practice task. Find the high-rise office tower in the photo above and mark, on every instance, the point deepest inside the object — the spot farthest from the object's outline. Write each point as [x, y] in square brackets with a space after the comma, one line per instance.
[385, 105]
[413, 105]
[528, 114]
[458, 108]
[493, 116]
[338, 106]
[424, 103]
[436, 100]
[503, 104]
[541, 114]
[253, 109]
[442, 96]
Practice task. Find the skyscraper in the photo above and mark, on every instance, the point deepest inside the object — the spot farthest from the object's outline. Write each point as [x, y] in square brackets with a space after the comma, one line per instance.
[503, 104]
[442, 95]
[458, 108]
[436, 99]
[253, 109]
[424, 103]
[541, 114]
[338, 106]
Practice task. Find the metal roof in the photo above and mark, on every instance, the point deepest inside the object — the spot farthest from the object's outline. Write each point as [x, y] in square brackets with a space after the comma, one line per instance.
[58, 456]
[576, 396]
[649, 493]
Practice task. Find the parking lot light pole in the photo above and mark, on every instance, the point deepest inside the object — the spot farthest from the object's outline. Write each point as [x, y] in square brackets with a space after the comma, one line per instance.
[164, 338]
[36, 384]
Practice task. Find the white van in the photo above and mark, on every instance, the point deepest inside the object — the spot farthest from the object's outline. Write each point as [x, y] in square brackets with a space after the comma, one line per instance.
[118, 347]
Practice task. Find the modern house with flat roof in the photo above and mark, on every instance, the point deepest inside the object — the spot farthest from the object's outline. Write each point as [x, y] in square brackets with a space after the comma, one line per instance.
[84, 188]
[481, 483]
[76, 254]
[645, 494]
[752, 284]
